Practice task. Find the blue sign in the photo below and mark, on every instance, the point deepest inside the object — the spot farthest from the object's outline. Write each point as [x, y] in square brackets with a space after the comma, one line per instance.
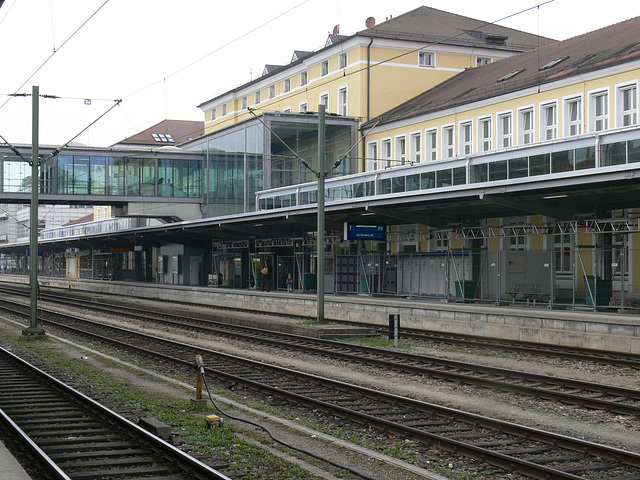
[360, 231]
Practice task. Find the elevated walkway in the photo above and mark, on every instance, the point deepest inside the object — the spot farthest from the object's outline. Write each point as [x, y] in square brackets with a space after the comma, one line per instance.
[586, 329]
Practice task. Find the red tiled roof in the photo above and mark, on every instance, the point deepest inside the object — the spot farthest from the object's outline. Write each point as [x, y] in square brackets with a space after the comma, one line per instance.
[167, 132]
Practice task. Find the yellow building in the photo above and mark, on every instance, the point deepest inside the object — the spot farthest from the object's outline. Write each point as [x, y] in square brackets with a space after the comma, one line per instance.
[547, 143]
[357, 75]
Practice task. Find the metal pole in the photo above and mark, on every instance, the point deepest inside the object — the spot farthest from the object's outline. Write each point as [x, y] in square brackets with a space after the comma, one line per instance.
[33, 329]
[320, 247]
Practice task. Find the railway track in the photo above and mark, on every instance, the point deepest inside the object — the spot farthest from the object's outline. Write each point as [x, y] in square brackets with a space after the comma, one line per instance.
[596, 396]
[603, 357]
[529, 451]
[73, 437]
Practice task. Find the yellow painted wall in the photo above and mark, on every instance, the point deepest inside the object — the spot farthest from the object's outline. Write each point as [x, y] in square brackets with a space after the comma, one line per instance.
[392, 82]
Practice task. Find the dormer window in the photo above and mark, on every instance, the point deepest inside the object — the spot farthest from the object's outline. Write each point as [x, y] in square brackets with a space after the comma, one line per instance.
[510, 75]
[426, 59]
[553, 63]
[162, 137]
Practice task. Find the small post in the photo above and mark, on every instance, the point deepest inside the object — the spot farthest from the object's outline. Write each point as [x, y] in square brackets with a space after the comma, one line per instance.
[394, 328]
[199, 373]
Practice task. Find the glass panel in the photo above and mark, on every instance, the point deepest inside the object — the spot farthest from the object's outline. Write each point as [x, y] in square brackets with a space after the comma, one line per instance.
[165, 177]
[65, 174]
[443, 178]
[147, 177]
[413, 182]
[613, 154]
[116, 176]
[539, 164]
[131, 176]
[460, 176]
[384, 186]
[634, 150]
[195, 178]
[398, 185]
[498, 170]
[478, 173]
[585, 158]
[428, 180]
[98, 176]
[562, 161]
[81, 175]
[518, 167]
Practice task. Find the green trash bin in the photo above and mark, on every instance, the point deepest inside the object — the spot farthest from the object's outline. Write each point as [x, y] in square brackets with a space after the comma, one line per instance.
[310, 281]
[466, 289]
[600, 289]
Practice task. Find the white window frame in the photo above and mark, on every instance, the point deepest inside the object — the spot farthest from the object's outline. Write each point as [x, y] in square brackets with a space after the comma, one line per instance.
[287, 84]
[400, 150]
[324, 99]
[304, 78]
[258, 97]
[626, 117]
[385, 153]
[272, 91]
[505, 138]
[572, 126]
[431, 144]
[427, 59]
[342, 60]
[465, 129]
[372, 156]
[343, 100]
[303, 107]
[598, 109]
[213, 113]
[483, 61]
[526, 133]
[485, 142]
[448, 141]
[286, 110]
[245, 102]
[548, 130]
[415, 147]
[324, 68]
[224, 109]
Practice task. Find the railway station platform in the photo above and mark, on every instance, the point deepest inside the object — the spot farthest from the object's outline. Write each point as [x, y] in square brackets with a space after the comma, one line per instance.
[606, 330]
[11, 469]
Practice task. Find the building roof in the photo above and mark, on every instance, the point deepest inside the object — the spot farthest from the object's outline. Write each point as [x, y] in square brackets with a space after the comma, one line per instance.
[606, 47]
[430, 25]
[427, 26]
[77, 221]
[166, 132]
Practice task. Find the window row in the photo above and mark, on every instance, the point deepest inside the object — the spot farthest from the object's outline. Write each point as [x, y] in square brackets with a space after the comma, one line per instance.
[508, 128]
[576, 159]
[303, 78]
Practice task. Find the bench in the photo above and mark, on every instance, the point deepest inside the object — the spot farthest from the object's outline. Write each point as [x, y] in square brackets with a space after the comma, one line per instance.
[530, 291]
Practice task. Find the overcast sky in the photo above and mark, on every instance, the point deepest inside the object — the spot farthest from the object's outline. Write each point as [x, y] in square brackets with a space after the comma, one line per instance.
[163, 58]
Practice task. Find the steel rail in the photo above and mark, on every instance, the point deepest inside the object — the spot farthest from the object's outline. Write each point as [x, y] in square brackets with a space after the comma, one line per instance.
[519, 382]
[76, 401]
[618, 458]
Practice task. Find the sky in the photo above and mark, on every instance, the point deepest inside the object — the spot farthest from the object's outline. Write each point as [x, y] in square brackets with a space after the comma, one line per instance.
[163, 58]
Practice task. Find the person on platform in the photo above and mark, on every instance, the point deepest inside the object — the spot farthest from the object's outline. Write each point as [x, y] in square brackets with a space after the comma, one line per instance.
[266, 276]
[289, 283]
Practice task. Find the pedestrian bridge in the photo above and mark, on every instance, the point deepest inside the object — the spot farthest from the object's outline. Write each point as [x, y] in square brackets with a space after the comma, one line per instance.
[159, 182]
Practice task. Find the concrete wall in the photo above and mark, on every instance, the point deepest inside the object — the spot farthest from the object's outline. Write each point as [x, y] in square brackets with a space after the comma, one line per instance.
[614, 332]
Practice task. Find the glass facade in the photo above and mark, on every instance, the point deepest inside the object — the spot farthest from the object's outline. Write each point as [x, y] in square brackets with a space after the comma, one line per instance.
[223, 170]
[265, 153]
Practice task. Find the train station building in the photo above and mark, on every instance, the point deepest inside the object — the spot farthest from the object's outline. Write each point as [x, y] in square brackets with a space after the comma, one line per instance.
[464, 160]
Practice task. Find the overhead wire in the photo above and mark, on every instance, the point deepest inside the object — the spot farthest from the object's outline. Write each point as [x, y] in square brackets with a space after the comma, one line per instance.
[56, 51]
